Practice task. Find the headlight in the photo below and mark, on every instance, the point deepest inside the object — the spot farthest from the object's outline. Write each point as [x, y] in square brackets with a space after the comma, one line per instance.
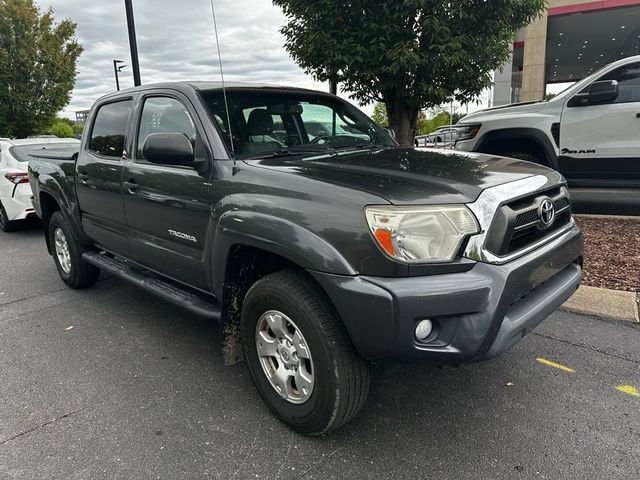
[467, 132]
[425, 234]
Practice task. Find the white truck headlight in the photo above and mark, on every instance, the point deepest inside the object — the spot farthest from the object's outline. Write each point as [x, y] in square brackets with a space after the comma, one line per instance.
[421, 234]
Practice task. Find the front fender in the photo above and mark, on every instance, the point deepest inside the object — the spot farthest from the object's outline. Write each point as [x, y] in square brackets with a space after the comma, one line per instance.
[276, 235]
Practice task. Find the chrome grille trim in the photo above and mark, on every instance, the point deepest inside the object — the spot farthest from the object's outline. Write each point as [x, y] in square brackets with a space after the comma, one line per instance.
[487, 204]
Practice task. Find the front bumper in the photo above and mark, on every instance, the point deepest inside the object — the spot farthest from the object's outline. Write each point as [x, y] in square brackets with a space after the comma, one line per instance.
[478, 314]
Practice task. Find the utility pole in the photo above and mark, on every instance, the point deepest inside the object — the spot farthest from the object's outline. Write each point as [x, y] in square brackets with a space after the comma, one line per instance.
[133, 43]
[451, 113]
[117, 68]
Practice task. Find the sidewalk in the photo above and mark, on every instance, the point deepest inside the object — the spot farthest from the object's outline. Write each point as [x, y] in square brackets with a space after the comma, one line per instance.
[602, 302]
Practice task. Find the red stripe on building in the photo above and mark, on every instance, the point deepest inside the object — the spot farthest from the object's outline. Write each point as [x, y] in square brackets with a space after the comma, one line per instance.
[590, 6]
[518, 44]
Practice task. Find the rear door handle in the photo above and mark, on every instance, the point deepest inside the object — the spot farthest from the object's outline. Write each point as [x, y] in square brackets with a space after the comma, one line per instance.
[638, 115]
[131, 186]
[83, 177]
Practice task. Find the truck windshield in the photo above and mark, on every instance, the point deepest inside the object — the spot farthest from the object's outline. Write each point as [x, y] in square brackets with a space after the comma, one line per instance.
[278, 122]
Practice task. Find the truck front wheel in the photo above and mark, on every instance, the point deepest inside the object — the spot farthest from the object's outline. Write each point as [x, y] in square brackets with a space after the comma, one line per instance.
[67, 254]
[299, 354]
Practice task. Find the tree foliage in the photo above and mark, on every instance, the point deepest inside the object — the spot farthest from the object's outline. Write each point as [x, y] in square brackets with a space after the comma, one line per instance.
[410, 55]
[65, 125]
[38, 60]
[61, 129]
[379, 115]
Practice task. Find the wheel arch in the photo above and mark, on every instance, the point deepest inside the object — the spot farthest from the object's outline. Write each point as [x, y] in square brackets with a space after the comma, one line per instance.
[249, 246]
[48, 206]
[536, 137]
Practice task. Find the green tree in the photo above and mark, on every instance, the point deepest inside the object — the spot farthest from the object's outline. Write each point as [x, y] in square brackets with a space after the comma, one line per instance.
[61, 129]
[380, 117]
[438, 118]
[76, 128]
[410, 55]
[38, 60]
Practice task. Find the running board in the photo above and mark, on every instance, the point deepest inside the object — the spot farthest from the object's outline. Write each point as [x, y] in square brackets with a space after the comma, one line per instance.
[168, 291]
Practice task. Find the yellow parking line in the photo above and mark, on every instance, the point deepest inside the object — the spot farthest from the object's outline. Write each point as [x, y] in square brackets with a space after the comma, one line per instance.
[564, 368]
[629, 390]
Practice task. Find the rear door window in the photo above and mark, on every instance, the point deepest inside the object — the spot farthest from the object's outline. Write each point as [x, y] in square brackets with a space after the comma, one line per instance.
[109, 128]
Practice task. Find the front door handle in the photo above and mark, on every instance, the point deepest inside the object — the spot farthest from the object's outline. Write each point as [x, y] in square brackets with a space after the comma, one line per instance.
[638, 115]
[131, 186]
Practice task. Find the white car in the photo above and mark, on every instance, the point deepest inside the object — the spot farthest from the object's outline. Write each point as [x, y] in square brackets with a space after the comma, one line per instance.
[444, 136]
[15, 191]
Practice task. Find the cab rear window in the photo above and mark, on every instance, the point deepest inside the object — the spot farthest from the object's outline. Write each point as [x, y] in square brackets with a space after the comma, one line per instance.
[109, 128]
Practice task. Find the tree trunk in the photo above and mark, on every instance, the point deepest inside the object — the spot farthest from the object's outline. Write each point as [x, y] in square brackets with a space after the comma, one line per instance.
[402, 119]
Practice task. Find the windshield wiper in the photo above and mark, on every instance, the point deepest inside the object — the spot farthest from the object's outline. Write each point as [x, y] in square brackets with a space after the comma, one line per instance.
[361, 146]
[292, 152]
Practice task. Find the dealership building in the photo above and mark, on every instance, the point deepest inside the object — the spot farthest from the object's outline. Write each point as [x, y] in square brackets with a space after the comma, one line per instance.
[571, 40]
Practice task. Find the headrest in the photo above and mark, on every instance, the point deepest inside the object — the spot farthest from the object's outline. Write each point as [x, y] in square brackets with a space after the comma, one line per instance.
[260, 122]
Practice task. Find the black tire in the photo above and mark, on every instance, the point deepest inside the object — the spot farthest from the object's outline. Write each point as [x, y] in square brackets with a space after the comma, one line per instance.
[341, 381]
[7, 225]
[81, 273]
[529, 157]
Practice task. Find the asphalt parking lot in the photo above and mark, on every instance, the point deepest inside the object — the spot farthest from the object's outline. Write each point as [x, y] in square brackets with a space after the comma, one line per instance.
[110, 382]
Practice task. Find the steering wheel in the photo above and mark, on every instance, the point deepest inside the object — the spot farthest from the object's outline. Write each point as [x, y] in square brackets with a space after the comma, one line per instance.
[320, 138]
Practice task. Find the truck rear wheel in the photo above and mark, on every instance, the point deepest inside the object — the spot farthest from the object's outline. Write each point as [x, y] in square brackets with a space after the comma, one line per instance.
[299, 354]
[67, 254]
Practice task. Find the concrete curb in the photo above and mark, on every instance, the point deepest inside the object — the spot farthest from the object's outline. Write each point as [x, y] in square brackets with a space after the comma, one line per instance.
[602, 302]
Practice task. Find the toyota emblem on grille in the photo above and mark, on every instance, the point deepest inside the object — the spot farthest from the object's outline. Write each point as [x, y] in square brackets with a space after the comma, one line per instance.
[546, 213]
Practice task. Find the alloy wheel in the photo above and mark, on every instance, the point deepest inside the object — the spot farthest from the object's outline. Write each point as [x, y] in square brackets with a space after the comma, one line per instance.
[285, 357]
[62, 250]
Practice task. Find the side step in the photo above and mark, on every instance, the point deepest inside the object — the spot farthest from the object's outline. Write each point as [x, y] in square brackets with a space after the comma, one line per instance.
[168, 291]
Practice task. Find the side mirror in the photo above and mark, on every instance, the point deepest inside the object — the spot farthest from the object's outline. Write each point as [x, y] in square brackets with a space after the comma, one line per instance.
[599, 92]
[168, 149]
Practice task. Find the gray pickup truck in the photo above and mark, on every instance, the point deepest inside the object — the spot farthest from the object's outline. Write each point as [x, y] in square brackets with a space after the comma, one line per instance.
[317, 253]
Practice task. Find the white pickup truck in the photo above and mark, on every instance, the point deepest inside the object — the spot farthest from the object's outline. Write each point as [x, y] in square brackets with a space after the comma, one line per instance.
[590, 133]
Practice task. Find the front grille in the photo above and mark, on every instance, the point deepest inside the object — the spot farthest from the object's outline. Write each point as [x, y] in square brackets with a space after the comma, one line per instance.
[526, 218]
[517, 224]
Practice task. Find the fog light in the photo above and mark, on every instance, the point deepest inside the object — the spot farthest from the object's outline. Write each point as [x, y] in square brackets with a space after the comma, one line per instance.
[424, 329]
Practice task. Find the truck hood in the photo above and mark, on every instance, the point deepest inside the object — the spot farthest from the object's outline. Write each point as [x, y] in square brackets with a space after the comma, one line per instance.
[409, 176]
[505, 110]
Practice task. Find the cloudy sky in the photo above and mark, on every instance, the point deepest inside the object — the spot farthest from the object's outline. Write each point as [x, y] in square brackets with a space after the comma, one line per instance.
[176, 42]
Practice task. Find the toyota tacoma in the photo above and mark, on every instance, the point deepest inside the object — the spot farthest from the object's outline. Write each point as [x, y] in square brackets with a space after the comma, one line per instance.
[318, 253]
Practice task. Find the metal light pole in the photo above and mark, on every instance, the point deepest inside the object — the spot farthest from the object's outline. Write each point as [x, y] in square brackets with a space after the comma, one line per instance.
[133, 43]
[117, 68]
